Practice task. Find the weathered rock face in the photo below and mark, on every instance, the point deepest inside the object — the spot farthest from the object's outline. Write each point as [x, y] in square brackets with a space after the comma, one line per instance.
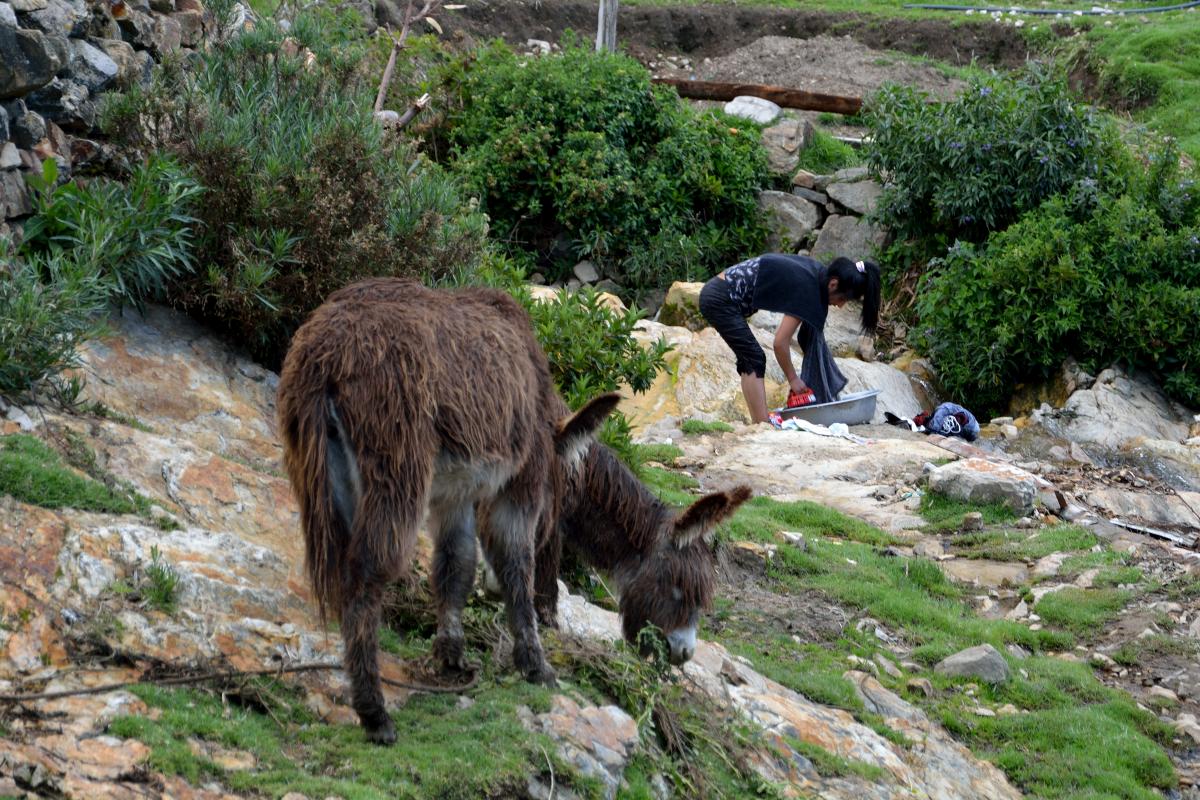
[681, 308]
[1120, 408]
[938, 768]
[598, 741]
[859, 196]
[983, 662]
[25, 61]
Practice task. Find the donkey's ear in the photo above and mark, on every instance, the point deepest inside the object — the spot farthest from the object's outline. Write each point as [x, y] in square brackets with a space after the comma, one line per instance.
[702, 516]
[574, 434]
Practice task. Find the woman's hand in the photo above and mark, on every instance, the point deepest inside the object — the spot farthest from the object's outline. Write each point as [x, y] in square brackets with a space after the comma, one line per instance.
[798, 385]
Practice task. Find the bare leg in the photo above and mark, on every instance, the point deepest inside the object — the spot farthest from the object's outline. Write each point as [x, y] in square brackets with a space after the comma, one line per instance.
[453, 577]
[755, 391]
[508, 532]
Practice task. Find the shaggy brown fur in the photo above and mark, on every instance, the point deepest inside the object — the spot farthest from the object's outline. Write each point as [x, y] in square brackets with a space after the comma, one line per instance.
[395, 399]
[661, 559]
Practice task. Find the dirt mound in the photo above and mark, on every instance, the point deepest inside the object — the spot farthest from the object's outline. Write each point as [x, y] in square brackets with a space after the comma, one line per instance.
[833, 65]
[711, 31]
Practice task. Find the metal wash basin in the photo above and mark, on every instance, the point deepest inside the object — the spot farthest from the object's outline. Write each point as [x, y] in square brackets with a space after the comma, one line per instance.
[853, 409]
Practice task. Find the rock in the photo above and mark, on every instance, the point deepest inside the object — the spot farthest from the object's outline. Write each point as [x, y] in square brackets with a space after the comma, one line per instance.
[782, 143]
[789, 219]
[91, 66]
[1019, 612]
[804, 179]
[191, 27]
[1148, 508]
[122, 54]
[797, 540]
[9, 157]
[64, 18]
[1048, 566]
[929, 548]
[540, 46]
[26, 62]
[982, 661]
[681, 308]
[810, 195]
[1187, 724]
[921, 685]
[4, 126]
[972, 520]
[752, 555]
[887, 666]
[1163, 693]
[66, 102]
[981, 572]
[976, 480]
[755, 109]
[848, 236]
[14, 195]
[1119, 408]
[586, 272]
[596, 741]
[860, 196]
[8, 17]
[1009, 431]
[850, 175]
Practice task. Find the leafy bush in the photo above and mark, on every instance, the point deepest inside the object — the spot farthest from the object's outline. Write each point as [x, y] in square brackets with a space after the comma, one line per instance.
[47, 308]
[578, 155]
[962, 169]
[305, 192]
[136, 235]
[1096, 276]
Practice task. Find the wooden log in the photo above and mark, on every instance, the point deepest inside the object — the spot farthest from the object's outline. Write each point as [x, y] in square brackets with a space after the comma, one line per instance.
[780, 95]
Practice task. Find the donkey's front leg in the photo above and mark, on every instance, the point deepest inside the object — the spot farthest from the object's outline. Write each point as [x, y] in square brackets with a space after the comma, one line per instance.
[453, 578]
[508, 539]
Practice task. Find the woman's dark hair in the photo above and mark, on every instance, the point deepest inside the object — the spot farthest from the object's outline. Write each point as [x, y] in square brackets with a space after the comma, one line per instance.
[858, 284]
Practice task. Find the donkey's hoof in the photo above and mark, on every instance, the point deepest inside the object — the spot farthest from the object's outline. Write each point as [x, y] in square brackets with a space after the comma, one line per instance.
[449, 653]
[543, 675]
[383, 733]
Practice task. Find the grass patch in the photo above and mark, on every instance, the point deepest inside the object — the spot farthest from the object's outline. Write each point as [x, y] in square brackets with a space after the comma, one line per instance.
[696, 426]
[444, 751]
[1134, 651]
[1082, 611]
[825, 155]
[33, 473]
[1076, 565]
[945, 514]
[832, 765]
[762, 518]
[1015, 545]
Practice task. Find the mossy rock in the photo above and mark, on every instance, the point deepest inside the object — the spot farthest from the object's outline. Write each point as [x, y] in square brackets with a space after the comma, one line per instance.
[682, 306]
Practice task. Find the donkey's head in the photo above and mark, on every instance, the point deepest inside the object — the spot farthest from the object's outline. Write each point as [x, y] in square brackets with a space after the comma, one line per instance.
[675, 582]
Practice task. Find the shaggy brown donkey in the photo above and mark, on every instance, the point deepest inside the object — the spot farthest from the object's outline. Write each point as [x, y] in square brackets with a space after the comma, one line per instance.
[660, 559]
[395, 399]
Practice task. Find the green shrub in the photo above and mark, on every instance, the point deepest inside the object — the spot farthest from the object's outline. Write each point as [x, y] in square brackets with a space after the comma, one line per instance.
[305, 192]
[578, 155]
[962, 169]
[1099, 277]
[825, 155]
[136, 235]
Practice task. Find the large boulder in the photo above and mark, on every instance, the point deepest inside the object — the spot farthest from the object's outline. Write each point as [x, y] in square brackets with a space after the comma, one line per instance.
[983, 662]
[843, 328]
[979, 481]
[790, 219]
[849, 236]
[783, 143]
[681, 308]
[26, 62]
[1118, 409]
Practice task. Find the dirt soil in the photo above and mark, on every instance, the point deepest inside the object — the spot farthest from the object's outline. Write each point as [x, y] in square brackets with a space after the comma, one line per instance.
[699, 32]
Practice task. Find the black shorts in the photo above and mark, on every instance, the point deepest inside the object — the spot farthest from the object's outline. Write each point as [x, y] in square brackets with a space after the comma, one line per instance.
[723, 314]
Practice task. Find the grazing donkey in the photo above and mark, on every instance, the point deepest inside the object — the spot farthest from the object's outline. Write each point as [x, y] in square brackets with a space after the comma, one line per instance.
[660, 559]
[394, 399]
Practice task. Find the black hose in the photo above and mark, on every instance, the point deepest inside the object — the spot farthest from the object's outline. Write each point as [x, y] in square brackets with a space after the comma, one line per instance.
[1066, 12]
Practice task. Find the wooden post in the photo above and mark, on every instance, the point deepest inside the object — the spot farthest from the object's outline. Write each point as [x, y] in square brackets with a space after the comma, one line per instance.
[606, 28]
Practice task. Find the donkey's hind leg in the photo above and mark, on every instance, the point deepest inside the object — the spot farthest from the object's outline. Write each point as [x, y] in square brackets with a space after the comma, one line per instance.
[508, 539]
[453, 578]
[360, 634]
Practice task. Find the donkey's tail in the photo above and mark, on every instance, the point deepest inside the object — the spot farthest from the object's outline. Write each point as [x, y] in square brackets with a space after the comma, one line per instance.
[324, 478]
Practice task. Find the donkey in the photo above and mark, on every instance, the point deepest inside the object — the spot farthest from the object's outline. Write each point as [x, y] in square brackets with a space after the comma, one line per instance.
[395, 399]
[661, 560]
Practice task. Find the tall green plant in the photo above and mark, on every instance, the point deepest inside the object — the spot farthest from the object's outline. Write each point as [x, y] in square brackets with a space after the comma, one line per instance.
[962, 169]
[578, 155]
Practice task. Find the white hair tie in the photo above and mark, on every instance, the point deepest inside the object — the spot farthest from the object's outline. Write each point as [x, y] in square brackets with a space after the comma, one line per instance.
[861, 266]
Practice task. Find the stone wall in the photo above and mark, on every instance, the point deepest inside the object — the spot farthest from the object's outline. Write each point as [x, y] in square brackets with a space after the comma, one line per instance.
[57, 57]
